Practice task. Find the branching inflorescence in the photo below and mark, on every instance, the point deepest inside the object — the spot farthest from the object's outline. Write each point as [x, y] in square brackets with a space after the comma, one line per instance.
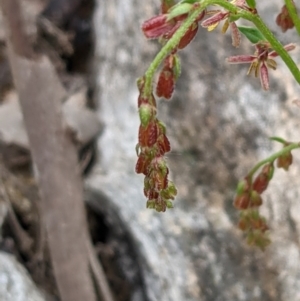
[175, 27]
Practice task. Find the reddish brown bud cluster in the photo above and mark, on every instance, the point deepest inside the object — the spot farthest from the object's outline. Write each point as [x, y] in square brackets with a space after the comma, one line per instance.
[248, 199]
[161, 26]
[152, 146]
[284, 20]
[250, 220]
[255, 228]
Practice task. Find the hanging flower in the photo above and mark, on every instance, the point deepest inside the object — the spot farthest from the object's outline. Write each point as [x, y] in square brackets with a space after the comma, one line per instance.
[157, 26]
[219, 15]
[284, 19]
[165, 25]
[152, 145]
[262, 59]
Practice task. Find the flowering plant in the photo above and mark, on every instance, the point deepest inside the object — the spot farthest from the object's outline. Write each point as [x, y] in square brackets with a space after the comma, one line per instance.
[174, 28]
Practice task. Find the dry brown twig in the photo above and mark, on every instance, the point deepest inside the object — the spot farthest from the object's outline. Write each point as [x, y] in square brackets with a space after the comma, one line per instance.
[55, 158]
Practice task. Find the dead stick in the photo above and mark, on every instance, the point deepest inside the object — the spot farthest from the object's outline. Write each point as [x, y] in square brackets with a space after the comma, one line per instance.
[55, 158]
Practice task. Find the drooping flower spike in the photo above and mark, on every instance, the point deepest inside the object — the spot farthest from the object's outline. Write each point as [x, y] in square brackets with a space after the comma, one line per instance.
[262, 59]
[152, 145]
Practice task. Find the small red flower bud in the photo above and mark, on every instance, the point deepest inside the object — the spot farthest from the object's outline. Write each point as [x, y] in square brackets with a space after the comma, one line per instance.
[284, 20]
[152, 194]
[139, 167]
[284, 161]
[189, 36]
[166, 83]
[242, 201]
[148, 135]
[163, 145]
[261, 182]
[142, 164]
[157, 26]
[152, 132]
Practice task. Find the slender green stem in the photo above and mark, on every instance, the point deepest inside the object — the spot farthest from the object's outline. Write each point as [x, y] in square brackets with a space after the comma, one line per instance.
[272, 158]
[167, 48]
[277, 46]
[242, 13]
[290, 5]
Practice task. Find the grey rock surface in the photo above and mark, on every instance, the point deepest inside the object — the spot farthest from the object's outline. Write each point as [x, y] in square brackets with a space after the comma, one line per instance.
[218, 121]
[15, 283]
[80, 120]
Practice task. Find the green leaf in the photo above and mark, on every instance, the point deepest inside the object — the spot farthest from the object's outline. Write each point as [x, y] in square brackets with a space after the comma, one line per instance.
[252, 34]
[278, 139]
[251, 3]
[179, 9]
[190, 1]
